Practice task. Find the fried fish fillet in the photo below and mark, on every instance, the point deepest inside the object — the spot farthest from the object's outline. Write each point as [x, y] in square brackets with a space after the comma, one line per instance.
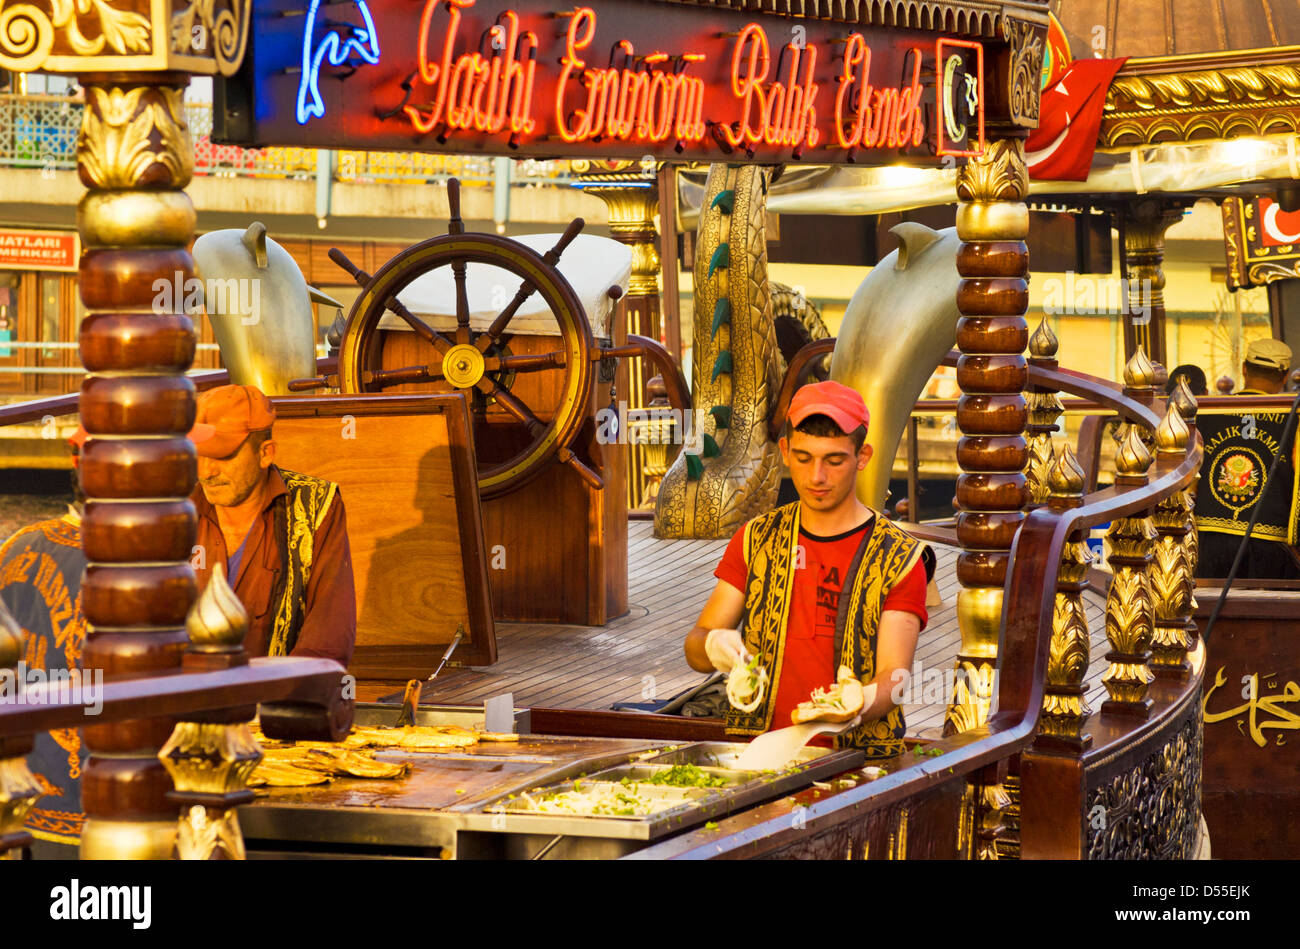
[346, 762]
[275, 773]
[412, 737]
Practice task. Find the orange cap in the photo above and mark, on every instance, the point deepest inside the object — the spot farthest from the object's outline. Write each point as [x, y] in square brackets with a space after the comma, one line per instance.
[844, 406]
[226, 415]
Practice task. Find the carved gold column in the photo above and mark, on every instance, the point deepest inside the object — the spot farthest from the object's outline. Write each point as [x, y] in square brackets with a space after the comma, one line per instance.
[1064, 707]
[138, 468]
[210, 757]
[633, 203]
[1144, 252]
[1185, 401]
[1129, 608]
[1171, 574]
[18, 788]
[993, 261]
[1044, 409]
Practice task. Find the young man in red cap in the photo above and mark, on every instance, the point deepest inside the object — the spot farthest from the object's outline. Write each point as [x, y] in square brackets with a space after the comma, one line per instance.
[819, 583]
[281, 536]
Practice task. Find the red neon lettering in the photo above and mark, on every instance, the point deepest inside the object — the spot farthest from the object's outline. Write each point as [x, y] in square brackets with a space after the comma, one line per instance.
[853, 89]
[626, 104]
[783, 113]
[506, 78]
[749, 89]
[871, 117]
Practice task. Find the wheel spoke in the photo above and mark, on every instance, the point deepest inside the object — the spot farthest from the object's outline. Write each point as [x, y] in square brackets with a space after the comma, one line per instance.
[512, 405]
[422, 329]
[382, 378]
[538, 362]
[493, 334]
[459, 269]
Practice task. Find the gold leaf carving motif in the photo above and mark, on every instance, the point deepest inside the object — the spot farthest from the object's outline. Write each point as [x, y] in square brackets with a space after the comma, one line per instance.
[117, 146]
[997, 175]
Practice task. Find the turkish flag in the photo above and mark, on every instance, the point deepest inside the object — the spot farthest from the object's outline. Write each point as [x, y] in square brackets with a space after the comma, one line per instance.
[1069, 118]
[1277, 227]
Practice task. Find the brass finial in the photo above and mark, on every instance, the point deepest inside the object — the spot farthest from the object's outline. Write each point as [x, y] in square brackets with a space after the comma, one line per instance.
[1133, 457]
[1065, 479]
[11, 639]
[1139, 373]
[1043, 344]
[1172, 433]
[217, 620]
[1184, 399]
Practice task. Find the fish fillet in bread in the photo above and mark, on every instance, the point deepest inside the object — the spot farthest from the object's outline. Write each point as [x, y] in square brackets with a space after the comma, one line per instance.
[842, 702]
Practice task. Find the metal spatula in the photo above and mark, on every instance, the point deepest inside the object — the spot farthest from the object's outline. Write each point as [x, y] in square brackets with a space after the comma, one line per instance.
[773, 750]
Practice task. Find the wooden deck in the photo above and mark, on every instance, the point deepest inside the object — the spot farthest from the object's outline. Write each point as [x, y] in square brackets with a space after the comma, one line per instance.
[638, 657]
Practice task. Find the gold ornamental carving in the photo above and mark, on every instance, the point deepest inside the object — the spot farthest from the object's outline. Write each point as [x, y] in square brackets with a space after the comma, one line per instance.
[972, 696]
[997, 175]
[1185, 105]
[1171, 571]
[216, 26]
[210, 758]
[1044, 407]
[1027, 42]
[31, 32]
[134, 137]
[99, 36]
[19, 791]
[1064, 709]
[1151, 811]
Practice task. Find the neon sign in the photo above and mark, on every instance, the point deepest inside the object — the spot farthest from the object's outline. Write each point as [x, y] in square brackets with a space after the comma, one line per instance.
[362, 41]
[618, 79]
[647, 104]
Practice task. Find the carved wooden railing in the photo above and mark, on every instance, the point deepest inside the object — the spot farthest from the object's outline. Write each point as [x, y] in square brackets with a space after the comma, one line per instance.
[204, 767]
[1043, 777]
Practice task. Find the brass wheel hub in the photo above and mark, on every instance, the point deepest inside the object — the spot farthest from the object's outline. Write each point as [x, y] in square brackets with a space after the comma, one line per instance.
[462, 366]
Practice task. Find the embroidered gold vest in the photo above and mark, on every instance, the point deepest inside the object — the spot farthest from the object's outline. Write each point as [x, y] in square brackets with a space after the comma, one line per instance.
[296, 518]
[885, 556]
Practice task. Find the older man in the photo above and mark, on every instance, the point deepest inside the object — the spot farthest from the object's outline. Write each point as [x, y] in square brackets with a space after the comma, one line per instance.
[281, 536]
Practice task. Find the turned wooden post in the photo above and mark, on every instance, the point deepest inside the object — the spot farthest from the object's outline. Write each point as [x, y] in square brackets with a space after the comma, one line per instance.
[1145, 224]
[138, 467]
[993, 261]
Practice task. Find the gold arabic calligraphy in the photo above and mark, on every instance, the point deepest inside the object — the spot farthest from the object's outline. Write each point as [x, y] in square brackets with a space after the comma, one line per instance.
[1283, 718]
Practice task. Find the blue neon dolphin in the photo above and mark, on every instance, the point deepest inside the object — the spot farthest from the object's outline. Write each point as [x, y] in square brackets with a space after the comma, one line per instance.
[361, 41]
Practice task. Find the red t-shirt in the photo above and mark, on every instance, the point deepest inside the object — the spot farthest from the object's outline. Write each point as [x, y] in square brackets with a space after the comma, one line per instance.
[810, 634]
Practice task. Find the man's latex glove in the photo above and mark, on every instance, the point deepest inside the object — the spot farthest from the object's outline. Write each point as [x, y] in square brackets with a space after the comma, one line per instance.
[724, 648]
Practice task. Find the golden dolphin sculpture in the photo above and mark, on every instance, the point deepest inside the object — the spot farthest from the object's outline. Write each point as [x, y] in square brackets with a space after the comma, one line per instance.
[901, 322]
[259, 305]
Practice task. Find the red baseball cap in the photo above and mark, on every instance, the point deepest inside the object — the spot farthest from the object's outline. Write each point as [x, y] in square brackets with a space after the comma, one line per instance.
[226, 415]
[842, 405]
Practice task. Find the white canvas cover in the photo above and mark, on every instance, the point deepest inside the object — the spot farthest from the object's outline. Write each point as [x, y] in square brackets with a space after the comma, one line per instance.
[591, 265]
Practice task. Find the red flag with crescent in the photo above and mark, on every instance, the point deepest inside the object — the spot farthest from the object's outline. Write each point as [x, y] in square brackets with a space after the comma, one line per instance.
[1069, 118]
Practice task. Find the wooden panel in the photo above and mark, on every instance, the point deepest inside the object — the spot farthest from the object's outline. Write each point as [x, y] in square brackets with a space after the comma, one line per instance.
[300, 251]
[556, 547]
[403, 465]
[1249, 794]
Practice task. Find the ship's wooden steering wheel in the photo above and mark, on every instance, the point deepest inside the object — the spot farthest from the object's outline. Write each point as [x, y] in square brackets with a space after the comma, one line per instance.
[479, 362]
